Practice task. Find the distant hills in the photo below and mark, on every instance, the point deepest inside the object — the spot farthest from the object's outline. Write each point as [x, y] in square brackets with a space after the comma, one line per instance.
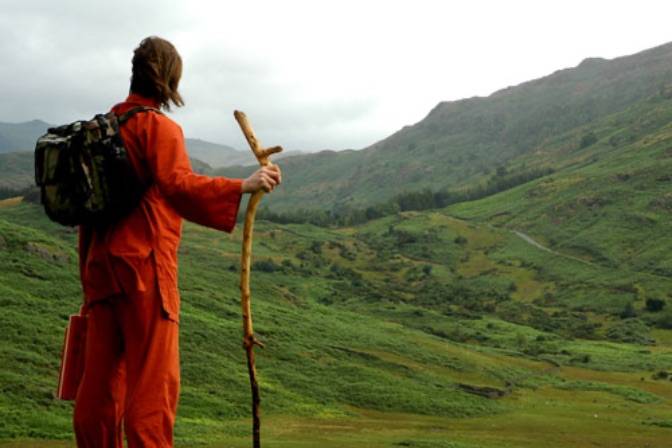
[21, 137]
[462, 143]
[217, 155]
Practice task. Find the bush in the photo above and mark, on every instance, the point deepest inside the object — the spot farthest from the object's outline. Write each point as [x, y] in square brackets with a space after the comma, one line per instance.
[266, 266]
[460, 240]
[630, 330]
[628, 312]
[583, 359]
[661, 375]
[665, 321]
[655, 305]
[316, 247]
[587, 140]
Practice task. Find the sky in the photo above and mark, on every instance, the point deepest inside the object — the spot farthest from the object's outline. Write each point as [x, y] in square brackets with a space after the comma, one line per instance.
[311, 75]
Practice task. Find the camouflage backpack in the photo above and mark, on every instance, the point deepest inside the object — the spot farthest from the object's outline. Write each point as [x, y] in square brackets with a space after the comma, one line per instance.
[84, 173]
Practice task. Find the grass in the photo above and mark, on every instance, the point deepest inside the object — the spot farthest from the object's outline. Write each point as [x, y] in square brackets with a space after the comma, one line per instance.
[365, 345]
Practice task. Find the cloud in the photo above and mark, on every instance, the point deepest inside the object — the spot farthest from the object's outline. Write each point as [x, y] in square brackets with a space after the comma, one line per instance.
[311, 75]
[65, 59]
[71, 60]
[281, 107]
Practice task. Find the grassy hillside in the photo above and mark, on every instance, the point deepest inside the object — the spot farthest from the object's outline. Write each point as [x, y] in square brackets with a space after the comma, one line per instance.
[609, 207]
[389, 334]
[464, 142]
[601, 192]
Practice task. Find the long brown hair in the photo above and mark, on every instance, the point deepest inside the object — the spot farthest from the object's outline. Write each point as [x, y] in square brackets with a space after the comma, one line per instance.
[157, 69]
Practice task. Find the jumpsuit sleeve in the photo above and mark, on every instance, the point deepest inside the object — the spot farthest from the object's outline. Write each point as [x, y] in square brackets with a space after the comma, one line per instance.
[209, 201]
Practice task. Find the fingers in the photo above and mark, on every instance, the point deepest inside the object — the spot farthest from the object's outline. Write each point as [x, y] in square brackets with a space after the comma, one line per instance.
[265, 178]
[267, 184]
[273, 171]
[277, 170]
[269, 179]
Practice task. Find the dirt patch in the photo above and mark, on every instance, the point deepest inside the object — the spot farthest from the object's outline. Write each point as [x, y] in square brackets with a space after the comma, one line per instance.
[10, 201]
[662, 203]
[47, 253]
[492, 393]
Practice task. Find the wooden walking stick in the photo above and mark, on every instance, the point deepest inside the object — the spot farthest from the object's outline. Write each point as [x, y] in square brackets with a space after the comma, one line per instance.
[249, 341]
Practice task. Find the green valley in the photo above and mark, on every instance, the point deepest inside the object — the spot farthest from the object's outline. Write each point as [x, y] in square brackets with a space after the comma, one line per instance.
[418, 329]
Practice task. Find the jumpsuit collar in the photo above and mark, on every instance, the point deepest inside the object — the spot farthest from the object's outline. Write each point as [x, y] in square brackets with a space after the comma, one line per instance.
[140, 100]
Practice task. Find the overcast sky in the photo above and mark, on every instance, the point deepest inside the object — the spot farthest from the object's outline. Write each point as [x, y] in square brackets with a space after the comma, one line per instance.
[311, 75]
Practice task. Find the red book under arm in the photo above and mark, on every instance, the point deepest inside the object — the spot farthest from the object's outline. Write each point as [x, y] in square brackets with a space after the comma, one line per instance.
[72, 358]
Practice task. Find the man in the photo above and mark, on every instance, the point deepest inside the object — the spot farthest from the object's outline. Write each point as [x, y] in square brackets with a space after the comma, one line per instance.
[129, 269]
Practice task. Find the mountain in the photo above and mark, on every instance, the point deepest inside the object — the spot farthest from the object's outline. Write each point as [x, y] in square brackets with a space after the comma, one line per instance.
[17, 171]
[463, 142]
[606, 199]
[217, 155]
[21, 136]
[17, 168]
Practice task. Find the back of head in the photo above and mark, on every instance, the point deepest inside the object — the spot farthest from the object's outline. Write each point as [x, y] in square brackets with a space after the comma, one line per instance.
[157, 69]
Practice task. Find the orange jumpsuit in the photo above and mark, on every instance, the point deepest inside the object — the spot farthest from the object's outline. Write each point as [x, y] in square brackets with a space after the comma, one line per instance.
[129, 277]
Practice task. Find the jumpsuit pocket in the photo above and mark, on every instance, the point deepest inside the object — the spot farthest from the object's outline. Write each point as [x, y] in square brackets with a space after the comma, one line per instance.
[166, 281]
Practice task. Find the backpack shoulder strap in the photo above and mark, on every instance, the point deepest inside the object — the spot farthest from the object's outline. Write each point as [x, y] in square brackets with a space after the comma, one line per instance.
[129, 113]
[121, 119]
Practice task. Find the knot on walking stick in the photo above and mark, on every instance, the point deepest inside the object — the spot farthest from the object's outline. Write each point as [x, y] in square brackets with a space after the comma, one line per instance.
[250, 341]
[260, 153]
